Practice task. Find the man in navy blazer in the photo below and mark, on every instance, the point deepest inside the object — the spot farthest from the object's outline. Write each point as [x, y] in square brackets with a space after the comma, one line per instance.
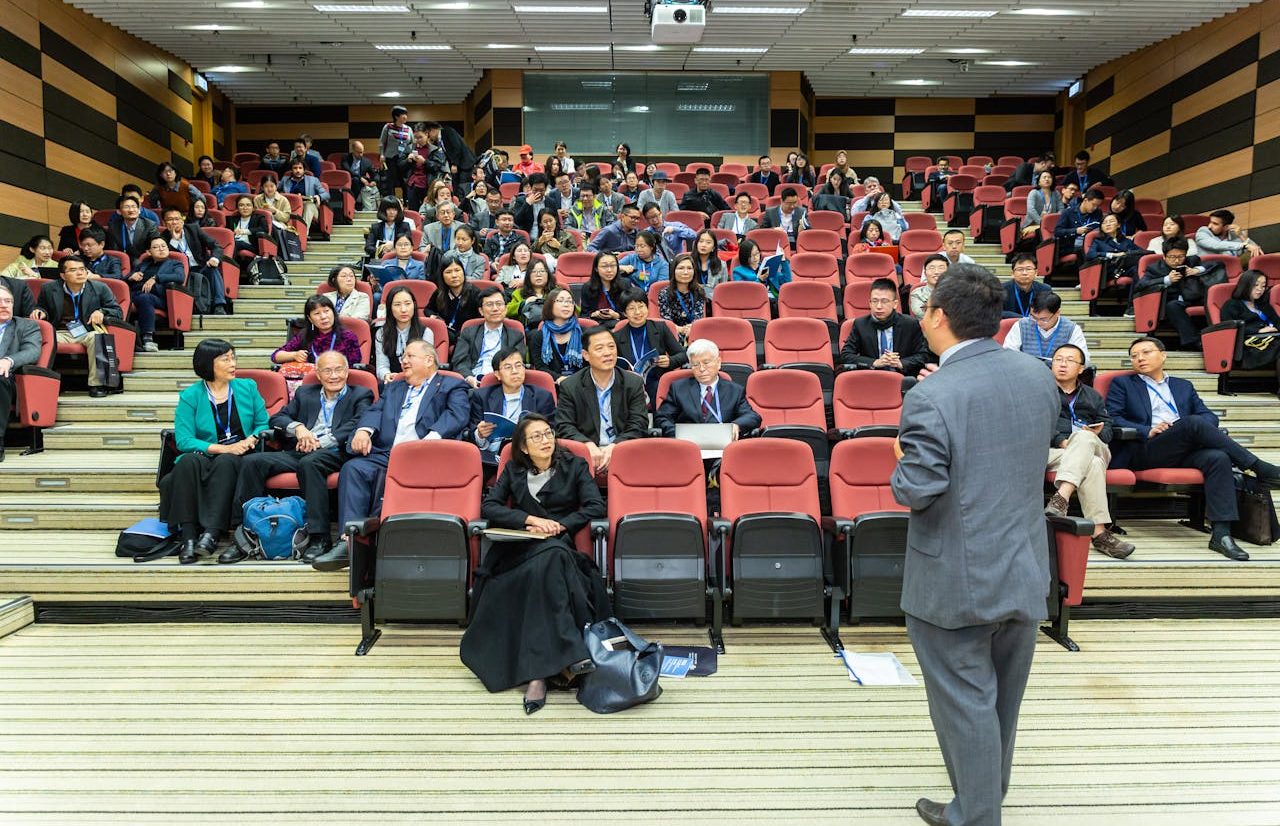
[511, 397]
[1175, 429]
[764, 174]
[422, 405]
[684, 404]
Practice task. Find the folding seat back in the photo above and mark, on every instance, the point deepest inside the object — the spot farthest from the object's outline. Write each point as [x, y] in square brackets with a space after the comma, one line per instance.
[758, 191]
[119, 291]
[1006, 324]
[240, 157]
[363, 335]
[672, 169]
[678, 189]
[421, 290]
[867, 403]
[605, 167]
[1047, 249]
[574, 267]
[254, 178]
[201, 186]
[993, 179]
[914, 176]
[1009, 160]
[871, 523]
[913, 268]
[770, 240]
[699, 166]
[440, 334]
[959, 201]
[1142, 239]
[1268, 265]
[818, 267]
[1147, 307]
[810, 299]
[819, 240]
[361, 286]
[225, 239]
[1194, 222]
[798, 341]
[736, 340]
[919, 240]
[921, 221]
[509, 191]
[856, 219]
[726, 179]
[686, 178]
[786, 398]
[533, 378]
[868, 266]
[975, 172]
[1021, 191]
[671, 377]
[979, 161]
[692, 219]
[656, 552]
[738, 169]
[1230, 262]
[1149, 205]
[741, 299]
[828, 220]
[724, 235]
[271, 386]
[987, 214]
[341, 201]
[857, 299]
[36, 389]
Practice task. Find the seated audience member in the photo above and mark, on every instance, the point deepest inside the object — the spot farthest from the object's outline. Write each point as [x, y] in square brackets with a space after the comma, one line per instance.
[871, 235]
[1083, 176]
[1041, 333]
[1169, 274]
[1070, 195]
[229, 184]
[173, 191]
[364, 180]
[154, 273]
[868, 202]
[317, 423]
[587, 213]
[602, 294]
[702, 198]
[389, 226]
[136, 192]
[1118, 253]
[531, 203]
[644, 266]
[567, 163]
[1173, 227]
[205, 171]
[1123, 207]
[93, 249]
[347, 301]
[648, 346]
[934, 266]
[620, 236]
[740, 220]
[402, 257]
[1222, 237]
[1028, 172]
[705, 398]
[483, 205]
[217, 423]
[274, 160]
[498, 169]
[751, 267]
[80, 216]
[953, 247]
[201, 216]
[765, 174]
[313, 192]
[801, 173]
[503, 237]
[438, 194]
[35, 254]
[525, 304]
[477, 344]
[512, 274]
[708, 267]
[270, 199]
[20, 344]
[24, 302]
[76, 306]
[526, 166]
[658, 194]
[202, 252]
[1249, 306]
[673, 236]
[402, 324]
[439, 233]
[937, 179]
[456, 300]
[1175, 429]
[320, 333]
[310, 161]
[612, 201]
[603, 405]
[128, 231]
[891, 222]
[789, 165]
[1079, 454]
[510, 397]
[560, 199]
[788, 216]
[555, 347]
[1019, 293]
[848, 174]
[1041, 201]
[1077, 221]
[833, 196]
[553, 241]
[424, 404]
[248, 228]
[886, 339]
[464, 249]
[684, 301]
[532, 600]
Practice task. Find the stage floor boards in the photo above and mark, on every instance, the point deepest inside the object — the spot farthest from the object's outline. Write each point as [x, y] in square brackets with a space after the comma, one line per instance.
[1151, 722]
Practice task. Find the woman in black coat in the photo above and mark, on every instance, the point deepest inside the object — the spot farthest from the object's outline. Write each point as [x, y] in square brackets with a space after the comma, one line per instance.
[531, 598]
[1249, 304]
[389, 226]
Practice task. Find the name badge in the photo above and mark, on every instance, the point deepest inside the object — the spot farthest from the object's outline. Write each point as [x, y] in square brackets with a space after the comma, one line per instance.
[228, 440]
[76, 329]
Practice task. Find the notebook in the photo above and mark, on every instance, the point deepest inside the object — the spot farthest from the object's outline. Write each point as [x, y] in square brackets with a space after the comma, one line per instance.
[706, 436]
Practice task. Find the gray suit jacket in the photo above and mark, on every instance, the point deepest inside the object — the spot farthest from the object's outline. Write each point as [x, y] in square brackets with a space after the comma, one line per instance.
[21, 342]
[728, 220]
[973, 477]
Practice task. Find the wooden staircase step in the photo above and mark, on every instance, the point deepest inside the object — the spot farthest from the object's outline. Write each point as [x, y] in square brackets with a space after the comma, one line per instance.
[101, 511]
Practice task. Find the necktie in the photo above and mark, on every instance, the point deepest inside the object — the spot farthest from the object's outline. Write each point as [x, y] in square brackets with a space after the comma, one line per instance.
[706, 405]
[445, 232]
[884, 341]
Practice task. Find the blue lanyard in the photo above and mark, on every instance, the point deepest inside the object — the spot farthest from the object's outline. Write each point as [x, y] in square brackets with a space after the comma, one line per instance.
[75, 301]
[1017, 296]
[1260, 315]
[1071, 406]
[217, 423]
[603, 397]
[1052, 340]
[333, 342]
[715, 399]
[1168, 402]
[326, 411]
[413, 394]
[640, 346]
[337, 305]
[457, 308]
[687, 309]
[608, 298]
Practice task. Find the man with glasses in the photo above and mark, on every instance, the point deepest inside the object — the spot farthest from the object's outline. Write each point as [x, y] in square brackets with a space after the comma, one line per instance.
[1170, 274]
[20, 343]
[620, 236]
[1175, 429]
[510, 398]
[78, 308]
[478, 344]
[423, 404]
[886, 339]
[705, 398]
[1024, 287]
[602, 405]
[1041, 333]
[318, 422]
[1079, 452]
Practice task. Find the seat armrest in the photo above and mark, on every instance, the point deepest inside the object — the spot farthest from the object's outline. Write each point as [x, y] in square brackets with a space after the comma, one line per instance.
[363, 527]
[599, 544]
[768, 367]
[653, 433]
[718, 533]
[1222, 325]
[477, 526]
[1072, 525]
[1125, 434]
[836, 527]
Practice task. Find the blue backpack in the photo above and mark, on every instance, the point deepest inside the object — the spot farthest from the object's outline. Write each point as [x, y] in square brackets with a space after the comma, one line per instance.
[273, 528]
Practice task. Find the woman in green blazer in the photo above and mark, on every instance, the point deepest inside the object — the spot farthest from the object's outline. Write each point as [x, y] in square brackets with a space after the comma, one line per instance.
[218, 420]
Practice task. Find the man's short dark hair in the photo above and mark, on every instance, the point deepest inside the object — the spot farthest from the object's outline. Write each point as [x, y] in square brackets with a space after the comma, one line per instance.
[587, 185]
[430, 125]
[788, 192]
[1095, 195]
[764, 158]
[504, 211]
[536, 178]
[950, 233]
[972, 298]
[131, 189]
[1147, 339]
[1177, 242]
[1225, 215]
[1082, 156]
[206, 352]
[486, 292]
[652, 205]
[629, 208]
[502, 355]
[95, 232]
[1023, 256]
[397, 111]
[1062, 347]
[702, 170]
[742, 195]
[269, 176]
[297, 162]
[560, 175]
[170, 210]
[1048, 156]
[75, 256]
[592, 332]
[1046, 300]
[884, 284]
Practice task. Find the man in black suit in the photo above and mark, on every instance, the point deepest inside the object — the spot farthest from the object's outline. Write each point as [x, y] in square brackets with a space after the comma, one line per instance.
[203, 255]
[1169, 275]
[1083, 176]
[764, 174]
[702, 198]
[93, 246]
[788, 216]
[886, 339]
[511, 397]
[478, 343]
[128, 231]
[364, 183]
[422, 405]
[20, 344]
[456, 149]
[561, 198]
[318, 421]
[74, 305]
[705, 398]
[1028, 171]
[601, 405]
[528, 206]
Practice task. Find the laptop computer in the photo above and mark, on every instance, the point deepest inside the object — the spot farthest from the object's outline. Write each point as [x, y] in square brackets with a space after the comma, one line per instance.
[706, 436]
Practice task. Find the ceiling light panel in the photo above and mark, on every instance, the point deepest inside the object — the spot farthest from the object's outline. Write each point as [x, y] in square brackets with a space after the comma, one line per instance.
[883, 51]
[971, 13]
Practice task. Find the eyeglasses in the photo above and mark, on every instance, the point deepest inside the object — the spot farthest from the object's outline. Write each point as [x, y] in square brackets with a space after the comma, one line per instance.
[880, 302]
[1066, 360]
[331, 371]
[511, 368]
[540, 436]
[1025, 269]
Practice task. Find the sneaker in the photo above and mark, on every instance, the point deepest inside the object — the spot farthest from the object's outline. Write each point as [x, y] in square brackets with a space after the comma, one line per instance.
[149, 346]
[1111, 546]
[1057, 505]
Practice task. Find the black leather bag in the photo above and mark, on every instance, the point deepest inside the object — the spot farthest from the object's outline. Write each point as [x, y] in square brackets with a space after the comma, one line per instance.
[1195, 289]
[626, 671]
[1257, 522]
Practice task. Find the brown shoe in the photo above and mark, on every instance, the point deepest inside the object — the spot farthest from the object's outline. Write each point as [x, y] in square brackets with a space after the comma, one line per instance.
[1057, 505]
[1112, 547]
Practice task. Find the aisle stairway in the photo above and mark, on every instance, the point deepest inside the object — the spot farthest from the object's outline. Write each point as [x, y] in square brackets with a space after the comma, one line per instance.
[62, 509]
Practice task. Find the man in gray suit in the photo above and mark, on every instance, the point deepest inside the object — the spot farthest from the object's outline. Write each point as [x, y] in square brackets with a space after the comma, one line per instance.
[19, 346]
[976, 575]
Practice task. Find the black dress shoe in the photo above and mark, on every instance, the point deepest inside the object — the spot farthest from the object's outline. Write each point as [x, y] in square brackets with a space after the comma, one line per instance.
[319, 545]
[207, 544]
[98, 392]
[931, 812]
[534, 706]
[334, 559]
[1228, 548]
[188, 555]
[233, 555]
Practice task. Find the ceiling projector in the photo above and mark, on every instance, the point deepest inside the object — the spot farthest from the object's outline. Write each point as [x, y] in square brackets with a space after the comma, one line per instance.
[678, 22]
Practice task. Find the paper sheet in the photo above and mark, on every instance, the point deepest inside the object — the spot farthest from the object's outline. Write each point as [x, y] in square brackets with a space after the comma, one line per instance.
[878, 669]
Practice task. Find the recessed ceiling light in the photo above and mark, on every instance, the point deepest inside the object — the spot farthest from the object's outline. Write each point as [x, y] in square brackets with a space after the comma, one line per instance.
[648, 47]
[571, 48]
[758, 9]
[214, 27]
[1049, 12]
[915, 81]
[389, 95]
[885, 50]
[348, 8]
[581, 107]
[451, 6]
[597, 84]
[247, 4]
[949, 13]
[640, 109]
[232, 70]
[503, 46]
[693, 87]
[966, 51]
[705, 107]
[554, 9]
[411, 47]
[731, 49]
[1005, 63]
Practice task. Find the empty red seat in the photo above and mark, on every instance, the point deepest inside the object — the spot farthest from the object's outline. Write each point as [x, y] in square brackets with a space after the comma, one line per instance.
[338, 182]
[959, 201]
[819, 240]
[807, 299]
[1009, 160]
[1269, 264]
[867, 403]
[869, 266]
[36, 389]
[828, 220]
[922, 221]
[771, 240]
[987, 214]
[797, 341]
[817, 266]
[919, 240]
[757, 191]
[574, 267]
[692, 219]
[1015, 210]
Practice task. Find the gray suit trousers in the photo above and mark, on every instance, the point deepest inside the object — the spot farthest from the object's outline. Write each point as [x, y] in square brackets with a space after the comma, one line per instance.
[974, 678]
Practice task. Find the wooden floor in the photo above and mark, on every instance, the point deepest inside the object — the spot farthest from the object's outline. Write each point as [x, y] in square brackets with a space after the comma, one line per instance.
[1152, 722]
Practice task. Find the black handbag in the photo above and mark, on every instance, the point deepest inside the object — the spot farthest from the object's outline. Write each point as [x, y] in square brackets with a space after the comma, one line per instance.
[1195, 288]
[1257, 522]
[627, 667]
[107, 361]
